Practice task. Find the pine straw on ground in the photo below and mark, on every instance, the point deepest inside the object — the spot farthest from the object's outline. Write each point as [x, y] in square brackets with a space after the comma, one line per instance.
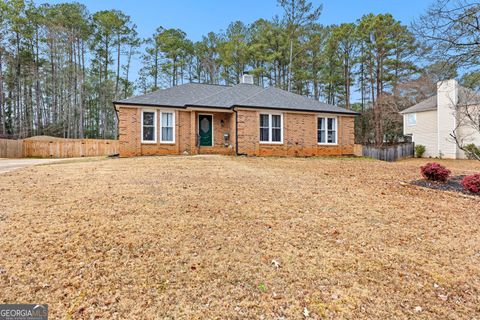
[195, 237]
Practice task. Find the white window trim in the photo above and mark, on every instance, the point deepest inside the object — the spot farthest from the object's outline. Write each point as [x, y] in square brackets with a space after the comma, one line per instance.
[154, 126]
[326, 131]
[270, 128]
[161, 126]
[415, 116]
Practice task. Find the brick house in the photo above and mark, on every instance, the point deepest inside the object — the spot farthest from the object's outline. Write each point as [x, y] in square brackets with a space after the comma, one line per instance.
[242, 119]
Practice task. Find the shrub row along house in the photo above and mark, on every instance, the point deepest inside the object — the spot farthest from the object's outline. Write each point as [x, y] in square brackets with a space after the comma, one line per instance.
[445, 122]
[244, 119]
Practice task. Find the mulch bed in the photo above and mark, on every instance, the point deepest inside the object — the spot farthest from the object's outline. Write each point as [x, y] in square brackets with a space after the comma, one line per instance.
[452, 184]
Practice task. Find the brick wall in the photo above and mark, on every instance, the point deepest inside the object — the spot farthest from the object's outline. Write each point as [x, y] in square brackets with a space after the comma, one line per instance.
[186, 122]
[299, 135]
[129, 131]
[184, 131]
[248, 131]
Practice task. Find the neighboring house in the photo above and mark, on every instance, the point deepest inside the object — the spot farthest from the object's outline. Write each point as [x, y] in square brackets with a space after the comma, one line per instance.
[242, 119]
[433, 121]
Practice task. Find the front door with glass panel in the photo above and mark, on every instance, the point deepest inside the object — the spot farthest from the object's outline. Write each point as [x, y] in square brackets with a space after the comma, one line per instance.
[205, 130]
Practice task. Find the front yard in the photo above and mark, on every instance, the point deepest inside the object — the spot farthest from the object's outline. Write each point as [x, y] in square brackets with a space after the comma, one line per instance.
[212, 237]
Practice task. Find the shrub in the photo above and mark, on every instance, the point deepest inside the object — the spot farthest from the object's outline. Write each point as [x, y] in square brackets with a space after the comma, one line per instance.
[435, 172]
[419, 150]
[472, 151]
[472, 183]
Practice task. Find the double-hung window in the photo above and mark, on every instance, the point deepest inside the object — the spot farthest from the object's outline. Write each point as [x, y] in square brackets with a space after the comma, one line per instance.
[149, 126]
[167, 127]
[327, 130]
[271, 128]
[411, 119]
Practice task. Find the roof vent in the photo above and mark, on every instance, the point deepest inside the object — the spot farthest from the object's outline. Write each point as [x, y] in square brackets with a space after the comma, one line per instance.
[246, 78]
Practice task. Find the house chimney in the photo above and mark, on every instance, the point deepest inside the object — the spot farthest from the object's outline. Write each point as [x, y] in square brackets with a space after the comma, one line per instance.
[447, 100]
[246, 78]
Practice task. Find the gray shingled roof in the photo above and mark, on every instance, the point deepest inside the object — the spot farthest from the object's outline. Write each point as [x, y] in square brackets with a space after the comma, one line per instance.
[275, 98]
[177, 96]
[425, 105]
[229, 97]
[465, 97]
[242, 95]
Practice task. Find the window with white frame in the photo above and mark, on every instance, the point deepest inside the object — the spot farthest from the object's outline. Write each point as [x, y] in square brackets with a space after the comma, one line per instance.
[149, 126]
[271, 128]
[167, 127]
[411, 119]
[327, 130]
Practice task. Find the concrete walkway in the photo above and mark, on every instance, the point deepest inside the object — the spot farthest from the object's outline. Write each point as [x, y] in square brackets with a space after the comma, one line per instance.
[7, 165]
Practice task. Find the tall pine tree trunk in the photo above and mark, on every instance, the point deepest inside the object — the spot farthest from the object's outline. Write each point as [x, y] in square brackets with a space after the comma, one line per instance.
[17, 113]
[118, 68]
[347, 81]
[2, 110]
[37, 86]
[81, 60]
[290, 66]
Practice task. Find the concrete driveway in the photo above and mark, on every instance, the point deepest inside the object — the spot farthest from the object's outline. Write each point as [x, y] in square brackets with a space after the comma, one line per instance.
[7, 165]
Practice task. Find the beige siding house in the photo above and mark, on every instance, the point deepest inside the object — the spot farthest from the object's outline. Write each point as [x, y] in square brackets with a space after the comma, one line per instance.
[433, 121]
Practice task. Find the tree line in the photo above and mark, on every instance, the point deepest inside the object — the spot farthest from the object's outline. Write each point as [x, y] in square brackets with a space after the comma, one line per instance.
[62, 66]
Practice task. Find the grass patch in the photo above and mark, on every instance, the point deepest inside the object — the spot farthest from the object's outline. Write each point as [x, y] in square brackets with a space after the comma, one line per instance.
[195, 237]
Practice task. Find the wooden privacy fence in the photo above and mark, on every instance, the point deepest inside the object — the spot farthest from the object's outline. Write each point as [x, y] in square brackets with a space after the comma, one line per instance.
[11, 148]
[390, 153]
[57, 148]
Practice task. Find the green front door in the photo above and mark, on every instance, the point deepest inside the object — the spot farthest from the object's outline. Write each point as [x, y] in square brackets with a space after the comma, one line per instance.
[205, 130]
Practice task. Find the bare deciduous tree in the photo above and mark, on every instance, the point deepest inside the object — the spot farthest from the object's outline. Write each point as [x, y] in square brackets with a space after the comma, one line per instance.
[467, 123]
[451, 28]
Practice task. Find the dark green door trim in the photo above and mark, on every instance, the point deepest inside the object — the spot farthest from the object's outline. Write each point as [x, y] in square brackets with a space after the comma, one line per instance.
[205, 130]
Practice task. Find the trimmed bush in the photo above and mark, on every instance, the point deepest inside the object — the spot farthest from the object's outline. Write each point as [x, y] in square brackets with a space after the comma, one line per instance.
[419, 150]
[472, 183]
[435, 172]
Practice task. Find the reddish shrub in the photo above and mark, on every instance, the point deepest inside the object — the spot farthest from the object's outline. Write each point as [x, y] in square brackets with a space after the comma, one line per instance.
[472, 183]
[435, 172]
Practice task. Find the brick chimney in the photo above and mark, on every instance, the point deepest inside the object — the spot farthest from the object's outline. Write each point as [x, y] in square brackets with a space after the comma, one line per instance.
[246, 78]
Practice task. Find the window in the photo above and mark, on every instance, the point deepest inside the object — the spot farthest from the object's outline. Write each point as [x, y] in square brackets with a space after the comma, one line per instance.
[149, 126]
[167, 127]
[264, 127]
[327, 130]
[411, 119]
[271, 128]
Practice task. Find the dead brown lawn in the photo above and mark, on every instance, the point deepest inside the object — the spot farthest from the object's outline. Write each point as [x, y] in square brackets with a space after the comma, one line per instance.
[195, 237]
